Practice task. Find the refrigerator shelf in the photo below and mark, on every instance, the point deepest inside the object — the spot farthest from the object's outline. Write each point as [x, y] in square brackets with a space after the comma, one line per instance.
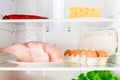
[54, 69]
[14, 67]
[86, 20]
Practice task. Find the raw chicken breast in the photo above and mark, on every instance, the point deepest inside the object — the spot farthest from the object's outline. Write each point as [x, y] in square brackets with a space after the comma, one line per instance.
[34, 51]
[37, 51]
[55, 54]
[19, 50]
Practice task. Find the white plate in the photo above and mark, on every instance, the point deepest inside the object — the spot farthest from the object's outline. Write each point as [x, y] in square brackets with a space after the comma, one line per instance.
[42, 64]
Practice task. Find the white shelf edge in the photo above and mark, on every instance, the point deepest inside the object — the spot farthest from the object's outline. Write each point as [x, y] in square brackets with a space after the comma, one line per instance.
[61, 20]
[23, 21]
[57, 69]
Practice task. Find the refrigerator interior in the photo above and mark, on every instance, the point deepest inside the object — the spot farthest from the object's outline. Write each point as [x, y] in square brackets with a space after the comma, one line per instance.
[55, 8]
[69, 33]
[72, 34]
[49, 31]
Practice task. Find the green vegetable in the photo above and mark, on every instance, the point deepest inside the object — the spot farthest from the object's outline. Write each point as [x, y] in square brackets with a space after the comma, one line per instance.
[117, 78]
[106, 75]
[93, 75]
[82, 77]
[73, 79]
[97, 75]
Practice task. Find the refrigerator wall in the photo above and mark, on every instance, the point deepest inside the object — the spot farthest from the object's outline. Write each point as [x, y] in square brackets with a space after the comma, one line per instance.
[45, 75]
[7, 7]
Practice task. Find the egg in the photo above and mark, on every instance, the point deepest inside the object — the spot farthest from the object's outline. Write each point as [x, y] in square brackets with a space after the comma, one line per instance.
[91, 54]
[67, 52]
[76, 52]
[73, 52]
[101, 53]
[83, 52]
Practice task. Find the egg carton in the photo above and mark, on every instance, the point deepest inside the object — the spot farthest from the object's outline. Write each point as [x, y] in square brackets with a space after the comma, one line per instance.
[84, 61]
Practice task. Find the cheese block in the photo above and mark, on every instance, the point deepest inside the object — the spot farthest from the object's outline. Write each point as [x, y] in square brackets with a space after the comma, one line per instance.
[77, 12]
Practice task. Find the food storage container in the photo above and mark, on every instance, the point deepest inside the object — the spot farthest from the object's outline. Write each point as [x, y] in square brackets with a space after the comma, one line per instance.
[92, 61]
[99, 39]
[27, 32]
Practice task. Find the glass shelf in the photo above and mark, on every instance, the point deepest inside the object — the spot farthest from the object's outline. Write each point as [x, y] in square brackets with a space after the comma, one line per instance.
[61, 20]
[9, 66]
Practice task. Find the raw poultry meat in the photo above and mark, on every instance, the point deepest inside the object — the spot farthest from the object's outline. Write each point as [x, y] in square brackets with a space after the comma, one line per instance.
[55, 54]
[19, 50]
[37, 51]
[34, 51]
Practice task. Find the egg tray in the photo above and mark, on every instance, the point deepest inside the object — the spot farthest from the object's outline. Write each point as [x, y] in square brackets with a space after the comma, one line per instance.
[84, 61]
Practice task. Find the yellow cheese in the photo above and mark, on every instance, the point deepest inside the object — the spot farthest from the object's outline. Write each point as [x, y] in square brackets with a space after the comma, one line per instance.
[77, 12]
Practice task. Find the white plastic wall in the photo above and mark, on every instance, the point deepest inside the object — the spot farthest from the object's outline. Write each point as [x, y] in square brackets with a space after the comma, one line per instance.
[45, 75]
[34, 7]
[7, 7]
[112, 8]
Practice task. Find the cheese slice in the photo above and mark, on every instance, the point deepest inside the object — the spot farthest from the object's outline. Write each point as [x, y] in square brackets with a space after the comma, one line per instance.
[77, 12]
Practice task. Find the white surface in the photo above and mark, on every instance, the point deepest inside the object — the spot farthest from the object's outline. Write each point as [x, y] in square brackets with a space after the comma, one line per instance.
[28, 32]
[92, 61]
[37, 64]
[36, 7]
[82, 20]
[44, 75]
[58, 9]
[7, 67]
[100, 40]
[112, 8]
[103, 60]
[6, 7]
[7, 38]
[27, 6]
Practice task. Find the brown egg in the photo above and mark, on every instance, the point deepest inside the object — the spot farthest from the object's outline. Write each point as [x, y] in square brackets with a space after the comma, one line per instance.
[101, 53]
[74, 52]
[83, 52]
[78, 52]
[91, 54]
[67, 52]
